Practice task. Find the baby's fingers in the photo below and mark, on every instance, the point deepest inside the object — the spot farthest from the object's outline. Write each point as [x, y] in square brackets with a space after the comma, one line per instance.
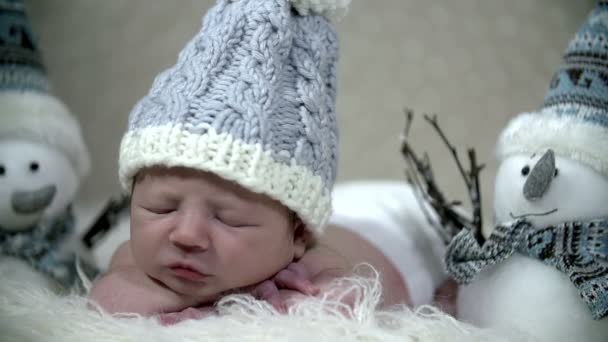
[269, 292]
[171, 318]
[295, 277]
[299, 269]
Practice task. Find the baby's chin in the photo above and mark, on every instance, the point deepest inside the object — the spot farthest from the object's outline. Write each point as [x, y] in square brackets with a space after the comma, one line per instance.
[203, 292]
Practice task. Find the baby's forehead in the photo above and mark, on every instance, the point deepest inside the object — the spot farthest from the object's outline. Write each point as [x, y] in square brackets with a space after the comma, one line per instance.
[158, 175]
[161, 174]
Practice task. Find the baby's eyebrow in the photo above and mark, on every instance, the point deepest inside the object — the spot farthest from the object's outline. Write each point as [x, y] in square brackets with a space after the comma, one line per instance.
[163, 199]
[231, 202]
[164, 194]
[226, 199]
[533, 155]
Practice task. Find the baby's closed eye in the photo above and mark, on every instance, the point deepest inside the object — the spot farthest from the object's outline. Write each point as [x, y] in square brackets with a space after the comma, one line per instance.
[155, 208]
[235, 220]
[159, 210]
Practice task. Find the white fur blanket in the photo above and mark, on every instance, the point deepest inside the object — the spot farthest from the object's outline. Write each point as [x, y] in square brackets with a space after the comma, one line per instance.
[30, 313]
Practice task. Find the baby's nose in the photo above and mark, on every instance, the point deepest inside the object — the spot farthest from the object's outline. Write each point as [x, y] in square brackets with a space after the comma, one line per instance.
[191, 234]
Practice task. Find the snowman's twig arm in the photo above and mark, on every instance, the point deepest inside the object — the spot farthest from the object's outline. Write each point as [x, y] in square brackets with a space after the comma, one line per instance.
[433, 121]
[421, 177]
[475, 196]
[471, 179]
[449, 223]
[421, 197]
[420, 169]
[409, 118]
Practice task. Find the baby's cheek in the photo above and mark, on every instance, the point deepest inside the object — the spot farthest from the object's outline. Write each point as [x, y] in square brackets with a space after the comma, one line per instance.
[252, 257]
[145, 256]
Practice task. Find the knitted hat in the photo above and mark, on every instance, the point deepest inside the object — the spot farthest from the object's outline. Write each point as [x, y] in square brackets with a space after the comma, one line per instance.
[251, 99]
[573, 121]
[27, 110]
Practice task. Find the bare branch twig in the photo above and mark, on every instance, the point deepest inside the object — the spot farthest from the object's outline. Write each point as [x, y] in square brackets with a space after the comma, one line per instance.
[421, 176]
[433, 122]
[475, 195]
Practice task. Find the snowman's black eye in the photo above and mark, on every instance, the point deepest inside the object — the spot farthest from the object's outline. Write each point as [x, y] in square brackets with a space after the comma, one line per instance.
[556, 172]
[525, 170]
[2, 170]
[34, 166]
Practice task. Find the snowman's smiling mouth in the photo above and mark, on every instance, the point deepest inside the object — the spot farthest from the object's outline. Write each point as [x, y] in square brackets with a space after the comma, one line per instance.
[549, 212]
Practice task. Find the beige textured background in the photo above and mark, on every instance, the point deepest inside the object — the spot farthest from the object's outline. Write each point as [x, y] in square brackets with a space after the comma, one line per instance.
[476, 63]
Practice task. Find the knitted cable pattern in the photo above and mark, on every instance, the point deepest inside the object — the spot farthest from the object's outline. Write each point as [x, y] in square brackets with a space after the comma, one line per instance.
[257, 77]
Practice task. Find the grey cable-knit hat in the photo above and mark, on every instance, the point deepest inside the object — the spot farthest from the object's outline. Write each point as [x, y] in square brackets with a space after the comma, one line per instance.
[251, 99]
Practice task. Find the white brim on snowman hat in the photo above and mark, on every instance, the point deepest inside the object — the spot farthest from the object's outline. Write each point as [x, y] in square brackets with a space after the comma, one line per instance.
[569, 130]
[40, 117]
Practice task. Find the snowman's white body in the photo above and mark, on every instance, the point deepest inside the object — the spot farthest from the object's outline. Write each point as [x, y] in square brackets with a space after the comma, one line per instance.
[523, 293]
[53, 170]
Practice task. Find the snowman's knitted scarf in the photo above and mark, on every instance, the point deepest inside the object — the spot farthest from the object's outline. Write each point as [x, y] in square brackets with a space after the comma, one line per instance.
[40, 245]
[579, 249]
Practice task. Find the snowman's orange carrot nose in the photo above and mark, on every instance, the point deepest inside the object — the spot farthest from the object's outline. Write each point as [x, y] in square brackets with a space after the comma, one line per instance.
[540, 177]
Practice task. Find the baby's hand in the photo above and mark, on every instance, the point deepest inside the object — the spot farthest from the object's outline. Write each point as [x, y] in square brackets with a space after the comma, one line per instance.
[128, 289]
[294, 277]
[171, 318]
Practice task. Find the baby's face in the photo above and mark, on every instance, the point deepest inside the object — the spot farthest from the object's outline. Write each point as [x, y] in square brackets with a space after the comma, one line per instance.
[201, 235]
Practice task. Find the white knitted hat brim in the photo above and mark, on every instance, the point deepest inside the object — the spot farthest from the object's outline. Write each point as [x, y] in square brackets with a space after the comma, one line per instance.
[248, 165]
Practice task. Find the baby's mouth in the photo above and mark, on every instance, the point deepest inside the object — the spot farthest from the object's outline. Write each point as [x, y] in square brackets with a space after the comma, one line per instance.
[187, 272]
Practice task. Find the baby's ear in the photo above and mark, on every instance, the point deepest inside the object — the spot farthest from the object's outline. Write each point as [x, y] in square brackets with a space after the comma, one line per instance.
[302, 238]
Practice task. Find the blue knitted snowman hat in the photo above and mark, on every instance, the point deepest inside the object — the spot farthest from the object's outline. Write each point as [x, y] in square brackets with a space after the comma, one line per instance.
[574, 118]
[27, 110]
[251, 99]
[21, 65]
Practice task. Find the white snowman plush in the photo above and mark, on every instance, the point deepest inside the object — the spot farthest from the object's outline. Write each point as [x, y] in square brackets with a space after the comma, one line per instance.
[43, 159]
[544, 268]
